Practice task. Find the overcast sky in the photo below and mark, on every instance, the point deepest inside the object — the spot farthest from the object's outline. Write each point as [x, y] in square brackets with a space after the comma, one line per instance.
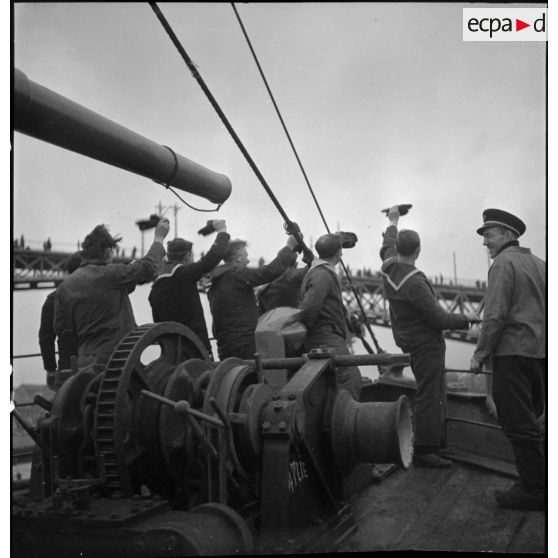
[384, 102]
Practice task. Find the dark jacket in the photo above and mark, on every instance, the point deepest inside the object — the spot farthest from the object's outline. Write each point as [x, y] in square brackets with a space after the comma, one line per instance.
[67, 345]
[283, 291]
[233, 303]
[93, 302]
[416, 315]
[322, 307]
[514, 318]
[174, 295]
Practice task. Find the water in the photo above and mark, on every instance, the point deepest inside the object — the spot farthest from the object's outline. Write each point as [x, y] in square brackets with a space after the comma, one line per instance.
[21, 471]
[27, 313]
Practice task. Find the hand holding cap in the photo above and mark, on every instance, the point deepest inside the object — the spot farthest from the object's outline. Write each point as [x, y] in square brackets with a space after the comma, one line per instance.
[162, 228]
[402, 209]
[220, 225]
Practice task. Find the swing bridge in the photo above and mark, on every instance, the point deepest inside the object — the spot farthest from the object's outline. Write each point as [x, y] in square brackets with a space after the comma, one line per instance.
[38, 269]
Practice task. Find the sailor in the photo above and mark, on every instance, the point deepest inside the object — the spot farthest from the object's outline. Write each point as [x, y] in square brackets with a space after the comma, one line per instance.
[93, 302]
[174, 295]
[417, 322]
[67, 344]
[322, 310]
[513, 334]
[232, 299]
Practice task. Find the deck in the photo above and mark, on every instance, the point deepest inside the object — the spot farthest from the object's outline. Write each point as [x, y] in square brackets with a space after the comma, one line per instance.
[442, 510]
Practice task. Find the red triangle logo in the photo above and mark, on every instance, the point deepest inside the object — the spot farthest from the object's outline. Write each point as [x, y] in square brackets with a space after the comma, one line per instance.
[519, 25]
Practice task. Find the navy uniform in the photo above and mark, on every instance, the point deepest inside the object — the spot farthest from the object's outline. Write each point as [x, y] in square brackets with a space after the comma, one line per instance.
[417, 322]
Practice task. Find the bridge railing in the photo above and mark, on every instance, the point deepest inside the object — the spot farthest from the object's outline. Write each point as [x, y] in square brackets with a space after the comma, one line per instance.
[41, 269]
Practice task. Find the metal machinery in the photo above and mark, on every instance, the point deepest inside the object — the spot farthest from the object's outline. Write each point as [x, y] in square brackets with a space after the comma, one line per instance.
[163, 453]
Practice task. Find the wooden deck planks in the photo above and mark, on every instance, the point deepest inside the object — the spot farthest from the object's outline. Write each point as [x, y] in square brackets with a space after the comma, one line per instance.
[387, 509]
[492, 528]
[428, 532]
[442, 510]
[462, 516]
[529, 537]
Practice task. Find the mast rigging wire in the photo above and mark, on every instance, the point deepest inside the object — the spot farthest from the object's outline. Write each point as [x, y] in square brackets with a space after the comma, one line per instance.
[345, 270]
[291, 227]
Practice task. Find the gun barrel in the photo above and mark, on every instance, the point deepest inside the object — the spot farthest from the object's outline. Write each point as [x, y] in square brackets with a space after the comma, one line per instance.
[48, 116]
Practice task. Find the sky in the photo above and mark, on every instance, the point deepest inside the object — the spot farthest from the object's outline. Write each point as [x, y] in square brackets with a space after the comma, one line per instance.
[385, 104]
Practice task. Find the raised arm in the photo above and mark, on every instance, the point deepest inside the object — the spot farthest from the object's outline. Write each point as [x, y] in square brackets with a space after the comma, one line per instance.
[197, 270]
[258, 276]
[145, 269]
[387, 251]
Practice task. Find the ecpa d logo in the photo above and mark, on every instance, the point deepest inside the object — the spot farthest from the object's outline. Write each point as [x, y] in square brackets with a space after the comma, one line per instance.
[504, 24]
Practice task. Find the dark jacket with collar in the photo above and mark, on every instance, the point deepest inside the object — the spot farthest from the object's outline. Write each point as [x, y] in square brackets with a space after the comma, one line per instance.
[416, 315]
[93, 301]
[322, 307]
[175, 296]
[233, 302]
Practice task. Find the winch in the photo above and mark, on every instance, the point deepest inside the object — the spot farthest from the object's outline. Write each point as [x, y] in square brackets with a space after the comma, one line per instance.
[162, 452]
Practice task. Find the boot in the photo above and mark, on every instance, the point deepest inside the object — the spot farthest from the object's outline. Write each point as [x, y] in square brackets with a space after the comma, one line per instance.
[530, 463]
[519, 498]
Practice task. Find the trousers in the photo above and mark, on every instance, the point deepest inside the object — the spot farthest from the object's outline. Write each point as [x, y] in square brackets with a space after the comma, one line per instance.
[348, 377]
[519, 390]
[428, 366]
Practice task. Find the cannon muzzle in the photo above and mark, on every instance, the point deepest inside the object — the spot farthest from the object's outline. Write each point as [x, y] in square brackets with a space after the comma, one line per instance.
[48, 116]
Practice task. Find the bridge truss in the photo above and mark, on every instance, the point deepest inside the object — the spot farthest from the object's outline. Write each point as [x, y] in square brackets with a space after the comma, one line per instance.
[38, 269]
[373, 298]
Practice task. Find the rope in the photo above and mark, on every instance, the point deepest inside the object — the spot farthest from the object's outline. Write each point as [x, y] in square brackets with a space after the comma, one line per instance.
[279, 114]
[190, 205]
[167, 184]
[195, 73]
[345, 270]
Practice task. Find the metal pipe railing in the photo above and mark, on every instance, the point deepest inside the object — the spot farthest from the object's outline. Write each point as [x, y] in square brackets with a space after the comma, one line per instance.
[467, 371]
[340, 361]
[30, 355]
[474, 422]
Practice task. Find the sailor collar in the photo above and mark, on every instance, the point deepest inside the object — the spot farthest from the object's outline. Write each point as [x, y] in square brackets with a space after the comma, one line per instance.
[397, 286]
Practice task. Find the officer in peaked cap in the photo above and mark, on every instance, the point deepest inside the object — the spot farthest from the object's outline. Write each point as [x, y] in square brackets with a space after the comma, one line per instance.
[513, 337]
[500, 218]
[500, 230]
